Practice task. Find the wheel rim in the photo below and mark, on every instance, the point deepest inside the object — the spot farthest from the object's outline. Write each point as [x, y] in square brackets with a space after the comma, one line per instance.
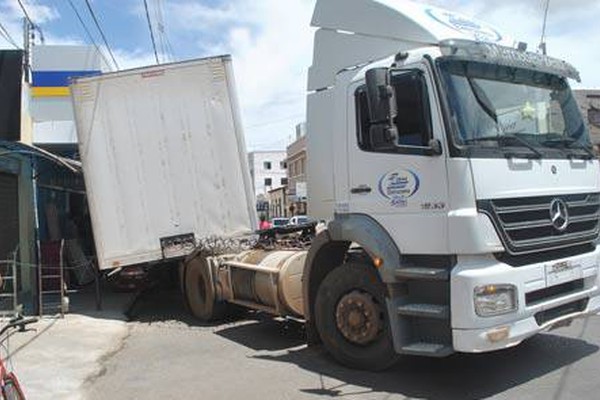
[358, 317]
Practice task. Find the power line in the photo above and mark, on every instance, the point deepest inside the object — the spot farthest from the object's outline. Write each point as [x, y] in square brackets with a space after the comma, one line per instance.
[93, 14]
[88, 33]
[151, 31]
[25, 12]
[166, 47]
[28, 18]
[6, 35]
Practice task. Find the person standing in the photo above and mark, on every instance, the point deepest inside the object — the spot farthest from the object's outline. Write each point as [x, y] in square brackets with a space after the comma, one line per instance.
[264, 224]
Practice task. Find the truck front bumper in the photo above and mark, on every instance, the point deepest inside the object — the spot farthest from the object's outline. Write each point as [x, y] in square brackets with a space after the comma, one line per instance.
[544, 301]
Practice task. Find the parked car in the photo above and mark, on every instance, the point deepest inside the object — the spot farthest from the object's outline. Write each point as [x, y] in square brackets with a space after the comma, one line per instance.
[299, 220]
[275, 222]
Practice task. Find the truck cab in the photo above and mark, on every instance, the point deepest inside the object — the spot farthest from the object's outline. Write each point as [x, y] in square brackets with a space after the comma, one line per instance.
[455, 168]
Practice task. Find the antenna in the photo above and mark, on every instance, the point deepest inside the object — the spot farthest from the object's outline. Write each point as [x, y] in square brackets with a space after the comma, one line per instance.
[542, 46]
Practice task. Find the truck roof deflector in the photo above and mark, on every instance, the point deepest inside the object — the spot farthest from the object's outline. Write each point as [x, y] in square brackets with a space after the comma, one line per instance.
[353, 32]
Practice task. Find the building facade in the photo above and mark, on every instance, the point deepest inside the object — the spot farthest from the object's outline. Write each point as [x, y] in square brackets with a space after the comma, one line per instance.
[268, 171]
[296, 163]
[41, 195]
[278, 203]
[52, 69]
[589, 103]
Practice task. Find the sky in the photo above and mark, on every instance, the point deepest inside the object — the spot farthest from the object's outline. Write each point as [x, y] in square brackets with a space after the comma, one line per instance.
[271, 42]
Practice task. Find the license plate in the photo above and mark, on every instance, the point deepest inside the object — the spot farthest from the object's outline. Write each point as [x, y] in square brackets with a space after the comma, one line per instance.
[562, 272]
[177, 246]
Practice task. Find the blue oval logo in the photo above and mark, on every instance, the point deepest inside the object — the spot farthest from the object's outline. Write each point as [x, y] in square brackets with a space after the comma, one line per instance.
[479, 30]
[398, 186]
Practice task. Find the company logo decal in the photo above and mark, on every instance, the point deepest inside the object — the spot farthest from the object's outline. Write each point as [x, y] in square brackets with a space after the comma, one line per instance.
[398, 186]
[479, 30]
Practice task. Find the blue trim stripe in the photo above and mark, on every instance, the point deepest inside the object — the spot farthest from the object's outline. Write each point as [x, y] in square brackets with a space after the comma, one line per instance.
[58, 78]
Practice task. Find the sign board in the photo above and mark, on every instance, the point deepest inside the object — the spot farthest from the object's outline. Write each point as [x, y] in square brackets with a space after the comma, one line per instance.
[301, 190]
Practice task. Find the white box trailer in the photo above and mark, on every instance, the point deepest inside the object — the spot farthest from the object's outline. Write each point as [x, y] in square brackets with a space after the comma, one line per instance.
[164, 159]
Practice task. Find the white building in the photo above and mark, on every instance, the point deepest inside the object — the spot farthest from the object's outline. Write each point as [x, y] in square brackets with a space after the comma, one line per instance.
[53, 68]
[268, 171]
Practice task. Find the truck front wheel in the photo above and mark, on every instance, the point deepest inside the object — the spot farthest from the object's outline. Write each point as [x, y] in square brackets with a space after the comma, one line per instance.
[200, 292]
[352, 319]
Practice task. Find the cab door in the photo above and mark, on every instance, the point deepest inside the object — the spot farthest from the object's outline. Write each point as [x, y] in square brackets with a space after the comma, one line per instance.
[401, 183]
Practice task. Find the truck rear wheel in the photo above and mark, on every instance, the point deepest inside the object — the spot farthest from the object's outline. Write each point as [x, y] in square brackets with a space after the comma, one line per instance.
[200, 292]
[352, 319]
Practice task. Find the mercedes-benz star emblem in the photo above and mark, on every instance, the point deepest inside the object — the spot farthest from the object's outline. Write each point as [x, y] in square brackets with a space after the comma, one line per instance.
[559, 214]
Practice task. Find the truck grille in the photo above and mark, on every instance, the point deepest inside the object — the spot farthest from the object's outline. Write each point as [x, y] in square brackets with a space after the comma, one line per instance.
[525, 224]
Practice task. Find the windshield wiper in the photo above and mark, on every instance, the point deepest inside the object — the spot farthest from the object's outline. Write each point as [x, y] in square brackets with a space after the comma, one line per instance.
[502, 139]
[573, 144]
[482, 99]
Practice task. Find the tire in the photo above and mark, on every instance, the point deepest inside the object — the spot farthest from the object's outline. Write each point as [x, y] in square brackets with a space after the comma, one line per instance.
[200, 291]
[341, 290]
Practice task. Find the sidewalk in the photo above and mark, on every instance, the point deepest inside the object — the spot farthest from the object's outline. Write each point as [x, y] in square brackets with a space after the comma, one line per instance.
[62, 354]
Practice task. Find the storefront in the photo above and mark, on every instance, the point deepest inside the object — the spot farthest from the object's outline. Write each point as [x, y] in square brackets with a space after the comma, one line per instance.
[42, 204]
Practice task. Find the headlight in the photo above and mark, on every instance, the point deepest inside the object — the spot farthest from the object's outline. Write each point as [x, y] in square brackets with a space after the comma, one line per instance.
[491, 300]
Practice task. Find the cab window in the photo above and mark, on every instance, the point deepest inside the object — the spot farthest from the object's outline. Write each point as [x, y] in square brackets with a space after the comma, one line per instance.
[412, 119]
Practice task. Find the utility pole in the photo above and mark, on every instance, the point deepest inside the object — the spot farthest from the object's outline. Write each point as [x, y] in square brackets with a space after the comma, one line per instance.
[28, 43]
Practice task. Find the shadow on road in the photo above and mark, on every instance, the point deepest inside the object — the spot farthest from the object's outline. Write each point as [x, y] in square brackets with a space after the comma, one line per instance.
[461, 376]
[266, 333]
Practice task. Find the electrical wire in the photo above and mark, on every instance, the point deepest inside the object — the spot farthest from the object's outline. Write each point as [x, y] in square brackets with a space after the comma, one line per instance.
[28, 18]
[25, 12]
[88, 33]
[151, 31]
[166, 47]
[6, 35]
[97, 23]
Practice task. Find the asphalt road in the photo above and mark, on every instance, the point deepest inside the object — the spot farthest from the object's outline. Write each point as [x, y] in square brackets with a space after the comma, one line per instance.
[167, 355]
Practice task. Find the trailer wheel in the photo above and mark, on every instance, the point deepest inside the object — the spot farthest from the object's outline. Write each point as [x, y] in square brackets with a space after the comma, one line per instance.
[200, 292]
[352, 319]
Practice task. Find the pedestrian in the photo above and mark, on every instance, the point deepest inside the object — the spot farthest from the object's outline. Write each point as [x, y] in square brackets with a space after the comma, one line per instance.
[264, 224]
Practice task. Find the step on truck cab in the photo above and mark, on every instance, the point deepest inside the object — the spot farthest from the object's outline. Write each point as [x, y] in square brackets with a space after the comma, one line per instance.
[461, 166]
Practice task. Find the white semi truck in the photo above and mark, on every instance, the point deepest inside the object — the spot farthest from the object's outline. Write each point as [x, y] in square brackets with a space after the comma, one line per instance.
[455, 175]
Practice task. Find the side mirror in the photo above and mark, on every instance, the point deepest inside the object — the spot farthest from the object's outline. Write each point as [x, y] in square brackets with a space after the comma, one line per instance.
[381, 106]
[379, 93]
[435, 147]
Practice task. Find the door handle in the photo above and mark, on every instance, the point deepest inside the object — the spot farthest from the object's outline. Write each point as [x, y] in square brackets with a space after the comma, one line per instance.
[361, 189]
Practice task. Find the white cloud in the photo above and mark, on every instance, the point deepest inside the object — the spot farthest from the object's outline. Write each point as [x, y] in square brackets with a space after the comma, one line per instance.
[271, 45]
[12, 20]
[39, 13]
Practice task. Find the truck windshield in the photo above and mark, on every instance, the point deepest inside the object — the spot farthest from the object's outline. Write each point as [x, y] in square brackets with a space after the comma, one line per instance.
[505, 108]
